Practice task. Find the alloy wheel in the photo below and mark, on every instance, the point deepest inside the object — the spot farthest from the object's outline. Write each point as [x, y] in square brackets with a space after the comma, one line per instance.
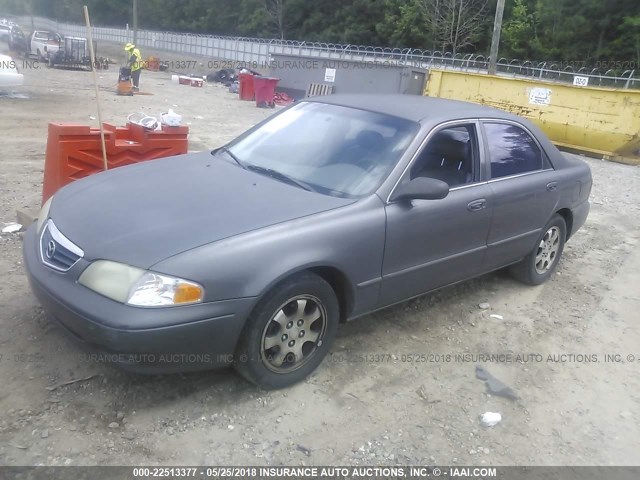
[293, 334]
[547, 252]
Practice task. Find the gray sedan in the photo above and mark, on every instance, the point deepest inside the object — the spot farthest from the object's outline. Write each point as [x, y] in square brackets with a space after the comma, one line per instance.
[252, 254]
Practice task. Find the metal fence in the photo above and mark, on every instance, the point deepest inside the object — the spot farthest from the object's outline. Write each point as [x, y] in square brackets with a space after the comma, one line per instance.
[258, 52]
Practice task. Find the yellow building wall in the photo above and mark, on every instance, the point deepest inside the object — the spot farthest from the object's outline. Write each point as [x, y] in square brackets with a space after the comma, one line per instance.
[595, 120]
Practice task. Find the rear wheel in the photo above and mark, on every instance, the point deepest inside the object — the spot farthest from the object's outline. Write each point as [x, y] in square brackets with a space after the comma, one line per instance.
[289, 332]
[541, 262]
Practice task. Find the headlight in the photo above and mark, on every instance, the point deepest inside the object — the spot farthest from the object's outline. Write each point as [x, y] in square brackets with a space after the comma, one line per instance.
[44, 214]
[111, 279]
[155, 290]
[138, 287]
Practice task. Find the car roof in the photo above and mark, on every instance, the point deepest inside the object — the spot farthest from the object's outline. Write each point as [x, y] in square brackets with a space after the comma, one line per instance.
[430, 111]
[414, 107]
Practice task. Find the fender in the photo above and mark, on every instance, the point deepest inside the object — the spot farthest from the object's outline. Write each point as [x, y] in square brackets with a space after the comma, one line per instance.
[349, 239]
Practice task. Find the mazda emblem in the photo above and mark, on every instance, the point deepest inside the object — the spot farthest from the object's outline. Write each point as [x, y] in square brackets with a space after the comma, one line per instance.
[51, 249]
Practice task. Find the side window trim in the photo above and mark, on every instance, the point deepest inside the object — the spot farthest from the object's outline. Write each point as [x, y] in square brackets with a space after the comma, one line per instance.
[516, 175]
[478, 162]
[546, 164]
[516, 124]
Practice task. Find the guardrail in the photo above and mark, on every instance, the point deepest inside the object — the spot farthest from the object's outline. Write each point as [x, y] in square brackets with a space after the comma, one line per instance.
[259, 51]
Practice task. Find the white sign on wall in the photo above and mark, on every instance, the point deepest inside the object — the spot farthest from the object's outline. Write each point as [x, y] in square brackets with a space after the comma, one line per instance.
[580, 81]
[330, 75]
[540, 96]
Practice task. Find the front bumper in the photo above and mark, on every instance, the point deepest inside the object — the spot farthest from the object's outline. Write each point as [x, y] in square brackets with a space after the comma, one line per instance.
[147, 340]
[11, 79]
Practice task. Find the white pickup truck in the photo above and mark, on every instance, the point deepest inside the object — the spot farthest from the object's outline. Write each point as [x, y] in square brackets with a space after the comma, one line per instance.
[44, 44]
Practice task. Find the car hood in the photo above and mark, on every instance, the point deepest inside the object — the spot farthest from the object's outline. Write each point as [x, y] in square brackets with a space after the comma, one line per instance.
[145, 213]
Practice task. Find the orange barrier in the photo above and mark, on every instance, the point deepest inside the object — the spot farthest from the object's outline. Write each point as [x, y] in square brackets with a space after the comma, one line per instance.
[74, 151]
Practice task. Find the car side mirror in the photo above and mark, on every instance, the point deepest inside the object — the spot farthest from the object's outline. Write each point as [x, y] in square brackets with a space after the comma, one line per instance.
[421, 188]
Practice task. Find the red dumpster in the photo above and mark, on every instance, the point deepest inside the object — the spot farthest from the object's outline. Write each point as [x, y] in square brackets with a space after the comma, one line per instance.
[265, 91]
[246, 87]
[75, 151]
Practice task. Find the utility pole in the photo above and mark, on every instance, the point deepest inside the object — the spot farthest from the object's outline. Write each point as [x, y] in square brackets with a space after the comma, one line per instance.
[135, 22]
[495, 40]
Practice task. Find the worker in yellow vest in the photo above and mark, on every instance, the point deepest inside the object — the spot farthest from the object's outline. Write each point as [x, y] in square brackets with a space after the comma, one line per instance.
[135, 64]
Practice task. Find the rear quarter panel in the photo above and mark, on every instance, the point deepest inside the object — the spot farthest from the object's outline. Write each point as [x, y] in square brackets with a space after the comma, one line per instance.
[574, 184]
[573, 177]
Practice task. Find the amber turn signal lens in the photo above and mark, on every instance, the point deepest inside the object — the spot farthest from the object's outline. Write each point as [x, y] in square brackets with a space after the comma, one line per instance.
[187, 293]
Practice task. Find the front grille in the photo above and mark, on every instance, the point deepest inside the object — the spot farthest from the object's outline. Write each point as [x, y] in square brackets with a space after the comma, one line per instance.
[56, 250]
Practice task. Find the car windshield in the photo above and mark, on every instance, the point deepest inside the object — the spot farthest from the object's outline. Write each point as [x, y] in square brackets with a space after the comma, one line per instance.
[330, 149]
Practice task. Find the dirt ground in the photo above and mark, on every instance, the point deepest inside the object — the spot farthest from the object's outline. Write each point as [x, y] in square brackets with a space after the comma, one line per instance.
[574, 408]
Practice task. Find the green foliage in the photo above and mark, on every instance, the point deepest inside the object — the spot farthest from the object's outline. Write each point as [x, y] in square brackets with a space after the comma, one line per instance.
[518, 31]
[573, 31]
[627, 41]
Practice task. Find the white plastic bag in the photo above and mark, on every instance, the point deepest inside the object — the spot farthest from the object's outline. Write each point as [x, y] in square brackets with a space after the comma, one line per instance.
[490, 419]
[171, 118]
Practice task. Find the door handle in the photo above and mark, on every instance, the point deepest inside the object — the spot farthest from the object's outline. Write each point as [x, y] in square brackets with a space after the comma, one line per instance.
[552, 187]
[477, 205]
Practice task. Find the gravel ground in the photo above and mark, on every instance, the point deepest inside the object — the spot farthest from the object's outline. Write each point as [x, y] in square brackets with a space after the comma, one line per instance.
[395, 388]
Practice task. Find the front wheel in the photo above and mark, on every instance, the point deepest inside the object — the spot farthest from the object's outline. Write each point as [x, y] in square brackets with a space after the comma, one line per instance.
[541, 262]
[289, 332]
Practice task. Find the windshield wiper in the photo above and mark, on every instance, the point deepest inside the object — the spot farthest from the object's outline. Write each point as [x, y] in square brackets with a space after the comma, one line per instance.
[279, 176]
[231, 154]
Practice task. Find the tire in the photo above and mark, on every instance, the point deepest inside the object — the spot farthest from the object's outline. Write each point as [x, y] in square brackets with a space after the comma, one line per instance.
[270, 352]
[540, 264]
[222, 76]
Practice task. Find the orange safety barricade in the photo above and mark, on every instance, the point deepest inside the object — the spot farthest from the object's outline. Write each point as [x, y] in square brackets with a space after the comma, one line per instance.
[75, 151]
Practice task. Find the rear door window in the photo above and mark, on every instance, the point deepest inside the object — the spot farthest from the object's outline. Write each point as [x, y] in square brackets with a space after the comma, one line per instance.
[512, 151]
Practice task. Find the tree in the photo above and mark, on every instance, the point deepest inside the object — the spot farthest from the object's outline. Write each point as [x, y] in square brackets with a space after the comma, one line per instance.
[275, 9]
[570, 32]
[518, 31]
[402, 25]
[630, 37]
[455, 24]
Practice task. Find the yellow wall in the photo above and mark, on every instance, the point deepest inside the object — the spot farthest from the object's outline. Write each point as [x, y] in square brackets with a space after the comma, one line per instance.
[596, 120]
